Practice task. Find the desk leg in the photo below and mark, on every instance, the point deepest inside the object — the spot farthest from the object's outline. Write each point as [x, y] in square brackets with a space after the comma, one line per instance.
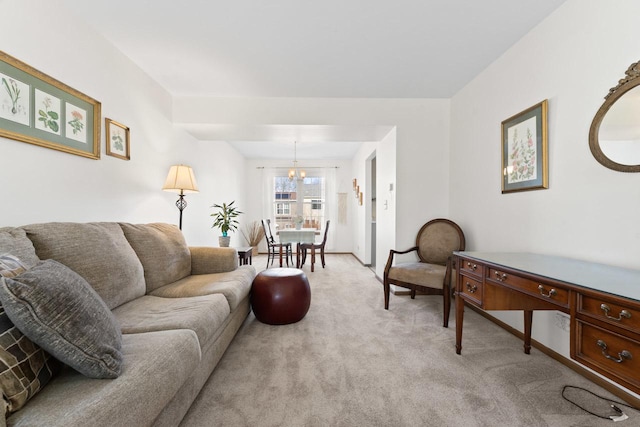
[459, 320]
[528, 318]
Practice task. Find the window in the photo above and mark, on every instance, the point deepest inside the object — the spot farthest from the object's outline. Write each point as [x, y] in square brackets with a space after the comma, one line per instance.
[293, 198]
[283, 209]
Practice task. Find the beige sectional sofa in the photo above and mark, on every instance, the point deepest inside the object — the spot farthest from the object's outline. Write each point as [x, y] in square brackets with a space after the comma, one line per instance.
[178, 308]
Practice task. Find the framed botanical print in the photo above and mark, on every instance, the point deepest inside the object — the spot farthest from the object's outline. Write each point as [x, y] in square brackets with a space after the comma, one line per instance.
[117, 139]
[41, 110]
[525, 154]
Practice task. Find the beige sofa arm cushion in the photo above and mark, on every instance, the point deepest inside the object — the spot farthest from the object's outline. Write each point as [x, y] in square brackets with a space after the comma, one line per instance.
[207, 260]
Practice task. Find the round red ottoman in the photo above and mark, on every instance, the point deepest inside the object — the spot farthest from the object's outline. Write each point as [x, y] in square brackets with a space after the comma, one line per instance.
[280, 296]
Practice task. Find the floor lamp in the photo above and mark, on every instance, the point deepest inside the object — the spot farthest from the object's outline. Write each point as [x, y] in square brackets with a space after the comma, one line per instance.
[181, 180]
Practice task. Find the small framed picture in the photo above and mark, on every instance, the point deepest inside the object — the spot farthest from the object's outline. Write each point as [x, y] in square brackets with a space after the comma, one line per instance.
[525, 154]
[117, 139]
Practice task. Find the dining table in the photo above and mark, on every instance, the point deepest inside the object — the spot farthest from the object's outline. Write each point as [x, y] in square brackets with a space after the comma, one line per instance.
[297, 236]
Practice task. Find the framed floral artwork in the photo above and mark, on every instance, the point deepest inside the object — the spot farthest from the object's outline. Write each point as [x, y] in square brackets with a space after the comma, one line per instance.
[117, 136]
[38, 109]
[525, 154]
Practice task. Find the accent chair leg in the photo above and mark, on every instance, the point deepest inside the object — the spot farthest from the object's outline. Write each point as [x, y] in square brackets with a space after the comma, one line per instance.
[387, 291]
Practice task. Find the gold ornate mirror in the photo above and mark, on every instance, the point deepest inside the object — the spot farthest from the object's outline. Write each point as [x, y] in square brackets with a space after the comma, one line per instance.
[614, 137]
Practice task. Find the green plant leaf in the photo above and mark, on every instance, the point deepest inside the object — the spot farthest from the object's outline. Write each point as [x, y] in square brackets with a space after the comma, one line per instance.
[53, 115]
[42, 113]
[54, 125]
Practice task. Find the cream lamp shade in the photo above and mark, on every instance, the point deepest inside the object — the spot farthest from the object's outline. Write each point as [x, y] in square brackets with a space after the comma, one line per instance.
[181, 180]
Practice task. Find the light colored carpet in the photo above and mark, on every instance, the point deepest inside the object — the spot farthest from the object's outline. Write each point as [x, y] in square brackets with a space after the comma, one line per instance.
[349, 362]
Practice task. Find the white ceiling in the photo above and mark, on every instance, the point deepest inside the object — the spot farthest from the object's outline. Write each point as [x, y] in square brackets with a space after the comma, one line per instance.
[303, 48]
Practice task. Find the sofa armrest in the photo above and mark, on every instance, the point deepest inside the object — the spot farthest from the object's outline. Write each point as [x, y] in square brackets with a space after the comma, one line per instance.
[206, 260]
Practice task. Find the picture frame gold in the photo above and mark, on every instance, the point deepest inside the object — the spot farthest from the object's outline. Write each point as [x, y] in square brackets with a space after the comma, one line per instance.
[117, 139]
[37, 109]
[360, 199]
[525, 150]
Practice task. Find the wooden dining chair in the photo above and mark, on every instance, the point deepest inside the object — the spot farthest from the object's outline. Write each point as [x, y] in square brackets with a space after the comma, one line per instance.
[274, 247]
[304, 247]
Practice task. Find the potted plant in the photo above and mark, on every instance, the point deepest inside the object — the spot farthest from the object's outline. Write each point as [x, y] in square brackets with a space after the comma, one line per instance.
[298, 221]
[253, 234]
[225, 220]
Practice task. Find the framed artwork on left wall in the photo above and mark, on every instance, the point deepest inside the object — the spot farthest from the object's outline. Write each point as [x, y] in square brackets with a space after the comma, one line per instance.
[117, 139]
[38, 109]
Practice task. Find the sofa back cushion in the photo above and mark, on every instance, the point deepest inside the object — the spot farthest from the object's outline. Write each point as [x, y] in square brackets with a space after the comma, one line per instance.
[98, 252]
[14, 241]
[162, 250]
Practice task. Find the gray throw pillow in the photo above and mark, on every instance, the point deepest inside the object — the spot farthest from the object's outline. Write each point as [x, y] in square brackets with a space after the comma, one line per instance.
[58, 310]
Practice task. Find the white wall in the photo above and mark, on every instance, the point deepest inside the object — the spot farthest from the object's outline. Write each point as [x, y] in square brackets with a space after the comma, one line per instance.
[589, 212]
[41, 184]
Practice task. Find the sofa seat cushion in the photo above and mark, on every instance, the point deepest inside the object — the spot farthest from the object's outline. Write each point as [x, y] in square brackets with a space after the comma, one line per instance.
[162, 250]
[156, 365]
[14, 241]
[99, 252]
[203, 315]
[234, 285]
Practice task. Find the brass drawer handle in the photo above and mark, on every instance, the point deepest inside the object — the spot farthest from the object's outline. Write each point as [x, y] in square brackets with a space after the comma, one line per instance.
[551, 293]
[622, 356]
[623, 313]
[471, 289]
[500, 277]
[472, 266]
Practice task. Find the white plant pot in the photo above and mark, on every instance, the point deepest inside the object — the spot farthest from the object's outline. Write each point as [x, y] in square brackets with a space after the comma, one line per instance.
[224, 241]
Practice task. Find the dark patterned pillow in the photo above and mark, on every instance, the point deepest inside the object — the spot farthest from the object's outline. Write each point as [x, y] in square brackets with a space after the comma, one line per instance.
[57, 309]
[24, 367]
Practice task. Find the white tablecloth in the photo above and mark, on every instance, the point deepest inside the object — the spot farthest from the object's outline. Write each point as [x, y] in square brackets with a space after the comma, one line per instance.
[305, 235]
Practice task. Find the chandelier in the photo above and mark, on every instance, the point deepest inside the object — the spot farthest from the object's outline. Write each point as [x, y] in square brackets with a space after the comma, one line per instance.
[295, 173]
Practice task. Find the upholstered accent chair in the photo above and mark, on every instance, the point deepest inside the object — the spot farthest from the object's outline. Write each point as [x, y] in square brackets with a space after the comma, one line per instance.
[313, 247]
[433, 273]
[274, 247]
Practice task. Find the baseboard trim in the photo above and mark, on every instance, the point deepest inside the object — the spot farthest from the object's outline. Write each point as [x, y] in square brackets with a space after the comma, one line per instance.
[616, 391]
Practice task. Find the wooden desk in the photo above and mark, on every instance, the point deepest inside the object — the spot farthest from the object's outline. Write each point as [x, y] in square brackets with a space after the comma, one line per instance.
[603, 303]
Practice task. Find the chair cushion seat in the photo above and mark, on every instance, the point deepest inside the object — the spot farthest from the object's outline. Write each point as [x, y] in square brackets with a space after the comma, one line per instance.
[419, 273]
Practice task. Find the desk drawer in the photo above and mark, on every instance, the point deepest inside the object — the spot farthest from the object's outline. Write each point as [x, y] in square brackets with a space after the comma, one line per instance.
[611, 354]
[472, 289]
[550, 293]
[471, 267]
[619, 314]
